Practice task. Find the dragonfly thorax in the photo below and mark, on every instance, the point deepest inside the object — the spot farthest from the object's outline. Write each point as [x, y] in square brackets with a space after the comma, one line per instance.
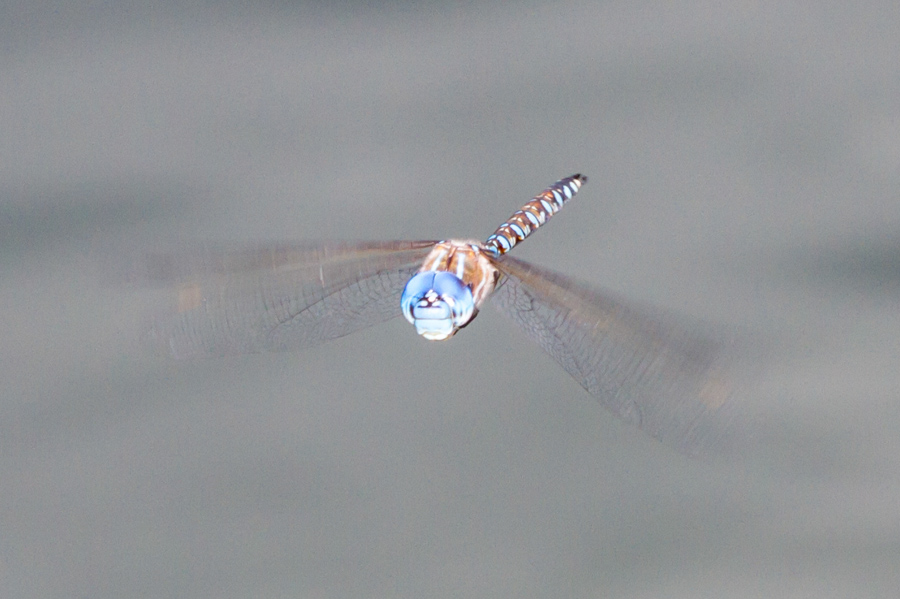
[446, 293]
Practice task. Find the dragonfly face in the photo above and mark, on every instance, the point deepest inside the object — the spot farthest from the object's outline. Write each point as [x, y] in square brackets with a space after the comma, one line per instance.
[438, 304]
[456, 278]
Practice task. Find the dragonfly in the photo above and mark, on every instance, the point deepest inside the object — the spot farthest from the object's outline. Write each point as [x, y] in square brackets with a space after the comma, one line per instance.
[667, 376]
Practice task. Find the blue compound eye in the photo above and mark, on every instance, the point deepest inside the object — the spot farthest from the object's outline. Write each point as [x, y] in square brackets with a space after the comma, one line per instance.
[437, 303]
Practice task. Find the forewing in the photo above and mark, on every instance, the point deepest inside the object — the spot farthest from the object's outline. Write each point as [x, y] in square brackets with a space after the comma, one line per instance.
[681, 382]
[274, 298]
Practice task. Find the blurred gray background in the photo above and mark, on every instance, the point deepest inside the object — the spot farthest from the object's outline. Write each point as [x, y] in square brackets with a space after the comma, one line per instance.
[744, 160]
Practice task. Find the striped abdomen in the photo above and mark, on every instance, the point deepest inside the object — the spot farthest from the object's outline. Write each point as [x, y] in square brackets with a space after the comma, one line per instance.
[532, 215]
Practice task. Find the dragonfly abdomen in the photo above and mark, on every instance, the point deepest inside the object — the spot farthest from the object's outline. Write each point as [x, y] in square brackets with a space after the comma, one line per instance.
[533, 214]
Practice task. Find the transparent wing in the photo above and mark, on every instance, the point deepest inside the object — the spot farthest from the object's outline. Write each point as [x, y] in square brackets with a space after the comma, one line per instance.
[680, 382]
[274, 298]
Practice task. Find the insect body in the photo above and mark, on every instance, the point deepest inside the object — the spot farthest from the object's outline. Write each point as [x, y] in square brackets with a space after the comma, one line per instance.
[458, 276]
[672, 378]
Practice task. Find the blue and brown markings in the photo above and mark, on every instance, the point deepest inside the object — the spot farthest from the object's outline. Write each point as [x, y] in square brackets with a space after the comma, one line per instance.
[532, 215]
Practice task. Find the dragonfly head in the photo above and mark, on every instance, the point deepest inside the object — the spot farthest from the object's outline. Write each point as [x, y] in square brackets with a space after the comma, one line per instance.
[438, 304]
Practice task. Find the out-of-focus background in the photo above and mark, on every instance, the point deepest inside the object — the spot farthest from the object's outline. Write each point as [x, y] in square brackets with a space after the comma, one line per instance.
[744, 164]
